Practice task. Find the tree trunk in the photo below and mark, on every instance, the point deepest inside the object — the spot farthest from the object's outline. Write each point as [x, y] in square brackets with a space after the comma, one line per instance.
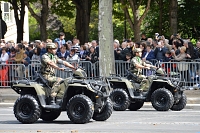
[83, 9]
[173, 16]
[19, 19]
[42, 18]
[105, 29]
[137, 26]
[134, 5]
[160, 16]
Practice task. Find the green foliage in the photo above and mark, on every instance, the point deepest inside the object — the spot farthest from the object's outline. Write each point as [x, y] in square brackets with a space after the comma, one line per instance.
[34, 31]
[188, 17]
[151, 21]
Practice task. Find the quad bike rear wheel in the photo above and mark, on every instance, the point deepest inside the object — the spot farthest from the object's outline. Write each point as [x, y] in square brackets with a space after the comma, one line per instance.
[105, 112]
[80, 109]
[136, 105]
[27, 109]
[50, 115]
[120, 99]
[181, 104]
[162, 99]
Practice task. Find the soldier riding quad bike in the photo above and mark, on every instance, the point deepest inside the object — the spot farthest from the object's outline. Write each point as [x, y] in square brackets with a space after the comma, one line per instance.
[83, 99]
[164, 93]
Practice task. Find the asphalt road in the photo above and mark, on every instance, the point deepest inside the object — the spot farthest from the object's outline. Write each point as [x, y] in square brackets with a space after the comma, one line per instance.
[146, 120]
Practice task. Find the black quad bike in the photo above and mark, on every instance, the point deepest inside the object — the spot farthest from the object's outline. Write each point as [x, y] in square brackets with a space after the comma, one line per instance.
[82, 98]
[164, 93]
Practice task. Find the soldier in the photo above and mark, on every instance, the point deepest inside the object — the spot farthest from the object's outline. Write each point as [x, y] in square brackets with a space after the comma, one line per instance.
[48, 66]
[136, 68]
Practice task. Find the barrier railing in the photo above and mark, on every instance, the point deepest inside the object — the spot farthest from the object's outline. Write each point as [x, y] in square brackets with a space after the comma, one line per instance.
[189, 71]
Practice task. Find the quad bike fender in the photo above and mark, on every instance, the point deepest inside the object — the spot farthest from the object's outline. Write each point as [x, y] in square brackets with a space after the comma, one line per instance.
[32, 89]
[123, 83]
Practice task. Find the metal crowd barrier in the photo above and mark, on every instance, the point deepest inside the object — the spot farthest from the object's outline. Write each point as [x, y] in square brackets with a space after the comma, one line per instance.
[189, 71]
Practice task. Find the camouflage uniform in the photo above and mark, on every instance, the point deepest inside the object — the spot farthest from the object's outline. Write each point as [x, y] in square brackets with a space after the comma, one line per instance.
[48, 72]
[138, 71]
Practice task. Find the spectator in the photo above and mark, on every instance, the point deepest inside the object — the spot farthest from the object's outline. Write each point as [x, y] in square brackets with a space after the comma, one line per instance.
[182, 67]
[35, 60]
[12, 53]
[168, 56]
[96, 47]
[143, 37]
[175, 47]
[154, 45]
[128, 58]
[26, 61]
[149, 54]
[117, 50]
[18, 59]
[189, 50]
[4, 56]
[63, 53]
[83, 52]
[143, 47]
[60, 40]
[123, 52]
[92, 55]
[72, 56]
[43, 48]
[160, 51]
[30, 50]
[3, 68]
[177, 38]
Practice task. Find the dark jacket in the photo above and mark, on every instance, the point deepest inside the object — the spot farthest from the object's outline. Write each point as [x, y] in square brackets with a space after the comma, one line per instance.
[122, 55]
[150, 56]
[160, 53]
[93, 56]
[59, 54]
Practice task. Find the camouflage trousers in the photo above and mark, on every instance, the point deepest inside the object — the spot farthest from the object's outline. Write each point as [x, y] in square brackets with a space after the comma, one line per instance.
[144, 85]
[54, 82]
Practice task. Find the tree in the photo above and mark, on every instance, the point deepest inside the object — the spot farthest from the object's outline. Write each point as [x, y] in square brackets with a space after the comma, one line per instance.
[19, 13]
[173, 16]
[136, 23]
[42, 17]
[105, 29]
[83, 10]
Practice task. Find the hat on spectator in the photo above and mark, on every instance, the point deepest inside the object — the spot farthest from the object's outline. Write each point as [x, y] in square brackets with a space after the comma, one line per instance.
[38, 41]
[74, 48]
[69, 42]
[137, 50]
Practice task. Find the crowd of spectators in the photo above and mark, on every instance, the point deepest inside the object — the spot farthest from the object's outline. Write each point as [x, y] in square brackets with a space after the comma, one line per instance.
[158, 48]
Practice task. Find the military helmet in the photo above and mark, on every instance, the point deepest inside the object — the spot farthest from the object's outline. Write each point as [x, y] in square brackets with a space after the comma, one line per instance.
[51, 45]
[137, 50]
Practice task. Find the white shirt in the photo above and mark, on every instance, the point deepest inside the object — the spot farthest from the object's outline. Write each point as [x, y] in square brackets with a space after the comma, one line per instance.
[4, 58]
[75, 57]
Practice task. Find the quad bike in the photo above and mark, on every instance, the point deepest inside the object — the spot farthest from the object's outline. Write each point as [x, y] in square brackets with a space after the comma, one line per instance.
[82, 98]
[164, 93]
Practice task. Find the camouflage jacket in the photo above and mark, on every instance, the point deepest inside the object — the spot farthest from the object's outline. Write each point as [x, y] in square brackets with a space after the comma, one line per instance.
[45, 68]
[134, 61]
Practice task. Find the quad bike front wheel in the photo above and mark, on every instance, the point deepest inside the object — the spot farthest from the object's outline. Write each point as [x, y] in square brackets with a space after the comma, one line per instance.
[50, 115]
[120, 99]
[105, 112]
[162, 99]
[181, 104]
[27, 109]
[136, 105]
[80, 109]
